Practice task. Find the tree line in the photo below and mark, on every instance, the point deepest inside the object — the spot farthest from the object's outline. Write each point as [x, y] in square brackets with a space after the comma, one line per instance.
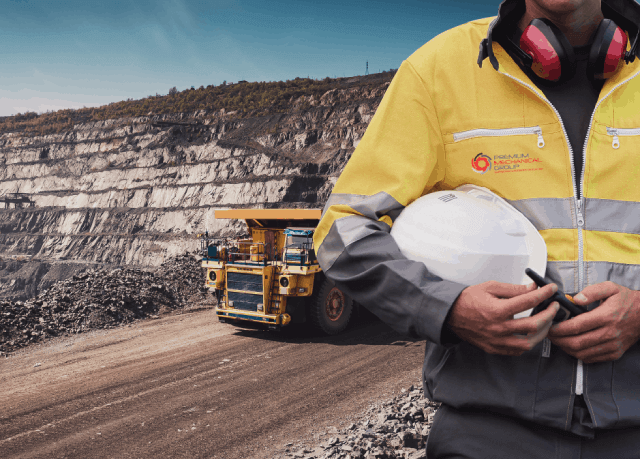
[247, 99]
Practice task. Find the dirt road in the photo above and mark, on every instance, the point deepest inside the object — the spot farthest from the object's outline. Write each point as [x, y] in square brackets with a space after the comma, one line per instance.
[188, 386]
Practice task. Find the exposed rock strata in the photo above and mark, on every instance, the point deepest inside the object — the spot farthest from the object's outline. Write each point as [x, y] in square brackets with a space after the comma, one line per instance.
[135, 191]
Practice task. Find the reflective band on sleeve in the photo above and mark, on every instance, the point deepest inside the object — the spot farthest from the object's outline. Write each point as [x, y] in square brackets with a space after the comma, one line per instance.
[343, 232]
[373, 207]
[339, 199]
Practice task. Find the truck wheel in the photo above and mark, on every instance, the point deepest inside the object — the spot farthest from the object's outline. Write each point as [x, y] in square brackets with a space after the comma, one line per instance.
[330, 308]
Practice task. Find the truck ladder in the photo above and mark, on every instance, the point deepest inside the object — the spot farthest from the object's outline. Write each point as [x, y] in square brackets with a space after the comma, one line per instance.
[274, 295]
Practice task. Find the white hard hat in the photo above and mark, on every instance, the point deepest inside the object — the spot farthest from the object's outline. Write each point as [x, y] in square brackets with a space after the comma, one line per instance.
[470, 235]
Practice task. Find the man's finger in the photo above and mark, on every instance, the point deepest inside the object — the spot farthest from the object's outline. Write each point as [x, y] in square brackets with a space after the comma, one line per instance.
[596, 292]
[534, 325]
[580, 343]
[580, 324]
[517, 344]
[506, 290]
[528, 300]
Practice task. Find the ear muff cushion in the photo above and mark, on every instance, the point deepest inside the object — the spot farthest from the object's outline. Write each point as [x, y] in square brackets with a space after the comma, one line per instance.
[607, 50]
[553, 56]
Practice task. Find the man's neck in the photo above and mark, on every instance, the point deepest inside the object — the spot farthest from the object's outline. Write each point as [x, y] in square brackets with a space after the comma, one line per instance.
[577, 25]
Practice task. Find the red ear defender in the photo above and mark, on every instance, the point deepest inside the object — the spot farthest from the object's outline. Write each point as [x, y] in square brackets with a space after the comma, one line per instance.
[608, 50]
[552, 54]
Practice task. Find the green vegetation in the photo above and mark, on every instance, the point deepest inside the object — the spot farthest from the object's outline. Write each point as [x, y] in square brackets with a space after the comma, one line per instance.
[245, 98]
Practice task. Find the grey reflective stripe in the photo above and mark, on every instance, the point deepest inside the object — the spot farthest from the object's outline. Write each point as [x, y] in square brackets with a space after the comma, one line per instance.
[343, 232]
[543, 213]
[620, 273]
[342, 199]
[374, 206]
[547, 213]
[564, 274]
[612, 215]
[599, 214]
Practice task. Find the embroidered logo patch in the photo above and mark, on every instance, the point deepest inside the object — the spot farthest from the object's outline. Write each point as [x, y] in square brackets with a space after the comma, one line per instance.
[505, 163]
[481, 163]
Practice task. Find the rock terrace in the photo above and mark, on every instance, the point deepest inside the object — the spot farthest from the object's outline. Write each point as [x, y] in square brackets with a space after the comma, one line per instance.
[134, 191]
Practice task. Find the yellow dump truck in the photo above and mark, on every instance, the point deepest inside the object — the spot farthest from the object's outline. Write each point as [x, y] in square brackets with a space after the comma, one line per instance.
[272, 277]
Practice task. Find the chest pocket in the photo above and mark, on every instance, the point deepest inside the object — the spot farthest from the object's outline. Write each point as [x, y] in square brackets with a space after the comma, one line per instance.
[502, 159]
[615, 132]
[613, 164]
[458, 136]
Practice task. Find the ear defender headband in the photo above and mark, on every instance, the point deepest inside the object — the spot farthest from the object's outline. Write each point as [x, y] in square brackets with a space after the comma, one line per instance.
[547, 52]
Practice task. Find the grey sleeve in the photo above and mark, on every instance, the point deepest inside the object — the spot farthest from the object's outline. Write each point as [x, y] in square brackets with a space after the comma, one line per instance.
[362, 258]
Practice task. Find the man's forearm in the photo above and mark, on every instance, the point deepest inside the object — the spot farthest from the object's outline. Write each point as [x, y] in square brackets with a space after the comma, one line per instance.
[402, 292]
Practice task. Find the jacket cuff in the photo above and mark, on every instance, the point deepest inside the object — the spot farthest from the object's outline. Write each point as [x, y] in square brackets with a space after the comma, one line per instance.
[435, 313]
[448, 336]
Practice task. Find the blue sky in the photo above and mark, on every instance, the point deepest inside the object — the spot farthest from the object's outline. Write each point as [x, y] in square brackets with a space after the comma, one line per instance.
[70, 54]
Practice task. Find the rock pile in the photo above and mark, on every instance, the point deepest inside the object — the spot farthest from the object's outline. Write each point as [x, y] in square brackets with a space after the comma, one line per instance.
[102, 298]
[184, 276]
[397, 428]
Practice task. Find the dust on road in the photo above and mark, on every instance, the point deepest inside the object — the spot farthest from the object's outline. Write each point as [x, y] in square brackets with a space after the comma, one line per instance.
[188, 386]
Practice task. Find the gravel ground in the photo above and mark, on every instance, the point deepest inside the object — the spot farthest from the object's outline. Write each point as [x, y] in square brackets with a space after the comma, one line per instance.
[107, 298]
[102, 298]
[393, 429]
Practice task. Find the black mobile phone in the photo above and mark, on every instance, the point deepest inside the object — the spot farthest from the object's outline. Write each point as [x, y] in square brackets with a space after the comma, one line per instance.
[568, 308]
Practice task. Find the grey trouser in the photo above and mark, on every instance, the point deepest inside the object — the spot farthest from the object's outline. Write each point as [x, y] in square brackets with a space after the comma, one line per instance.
[465, 434]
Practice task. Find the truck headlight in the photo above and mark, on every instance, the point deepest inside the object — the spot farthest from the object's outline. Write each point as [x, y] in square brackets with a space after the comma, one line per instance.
[284, 282]
[212, 276]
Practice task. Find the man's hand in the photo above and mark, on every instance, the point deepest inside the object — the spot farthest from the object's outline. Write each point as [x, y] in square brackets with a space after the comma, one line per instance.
[483, 316]
[604, 333]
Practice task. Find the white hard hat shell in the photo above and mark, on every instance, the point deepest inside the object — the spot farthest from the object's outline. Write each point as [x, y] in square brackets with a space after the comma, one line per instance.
[470, 235]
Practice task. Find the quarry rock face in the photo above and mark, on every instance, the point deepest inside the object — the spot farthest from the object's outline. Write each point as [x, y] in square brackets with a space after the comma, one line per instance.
[135, 191]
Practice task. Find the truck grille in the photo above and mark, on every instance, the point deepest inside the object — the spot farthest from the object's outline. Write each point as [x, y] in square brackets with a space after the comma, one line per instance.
[248, 283]
[245, 301]
[243, 281]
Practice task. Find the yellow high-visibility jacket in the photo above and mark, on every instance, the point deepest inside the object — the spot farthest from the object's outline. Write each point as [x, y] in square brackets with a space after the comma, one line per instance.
[444, 122]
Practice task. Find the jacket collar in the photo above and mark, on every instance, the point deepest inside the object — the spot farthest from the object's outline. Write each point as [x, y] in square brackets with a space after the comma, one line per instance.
[625, 13]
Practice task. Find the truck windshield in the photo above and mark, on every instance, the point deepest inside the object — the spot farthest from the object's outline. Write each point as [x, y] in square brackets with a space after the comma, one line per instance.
[298, 242]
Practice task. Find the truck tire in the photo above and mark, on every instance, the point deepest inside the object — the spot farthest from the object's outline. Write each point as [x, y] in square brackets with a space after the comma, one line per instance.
[331, 308]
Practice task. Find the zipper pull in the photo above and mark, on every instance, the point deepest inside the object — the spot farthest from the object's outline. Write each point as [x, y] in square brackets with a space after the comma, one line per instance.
[616, 141]
[540, 139]
[580, 216]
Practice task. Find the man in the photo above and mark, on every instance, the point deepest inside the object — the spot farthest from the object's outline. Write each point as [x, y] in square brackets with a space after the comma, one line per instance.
[563, 148]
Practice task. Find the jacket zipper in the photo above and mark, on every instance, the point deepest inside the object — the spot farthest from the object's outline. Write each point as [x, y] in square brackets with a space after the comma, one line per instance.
[615, 132]
[579, 373]
[577, 202]
[458, 136]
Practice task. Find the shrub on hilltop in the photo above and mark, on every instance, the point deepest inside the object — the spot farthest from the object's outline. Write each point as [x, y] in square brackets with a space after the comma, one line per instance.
[244, 98]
